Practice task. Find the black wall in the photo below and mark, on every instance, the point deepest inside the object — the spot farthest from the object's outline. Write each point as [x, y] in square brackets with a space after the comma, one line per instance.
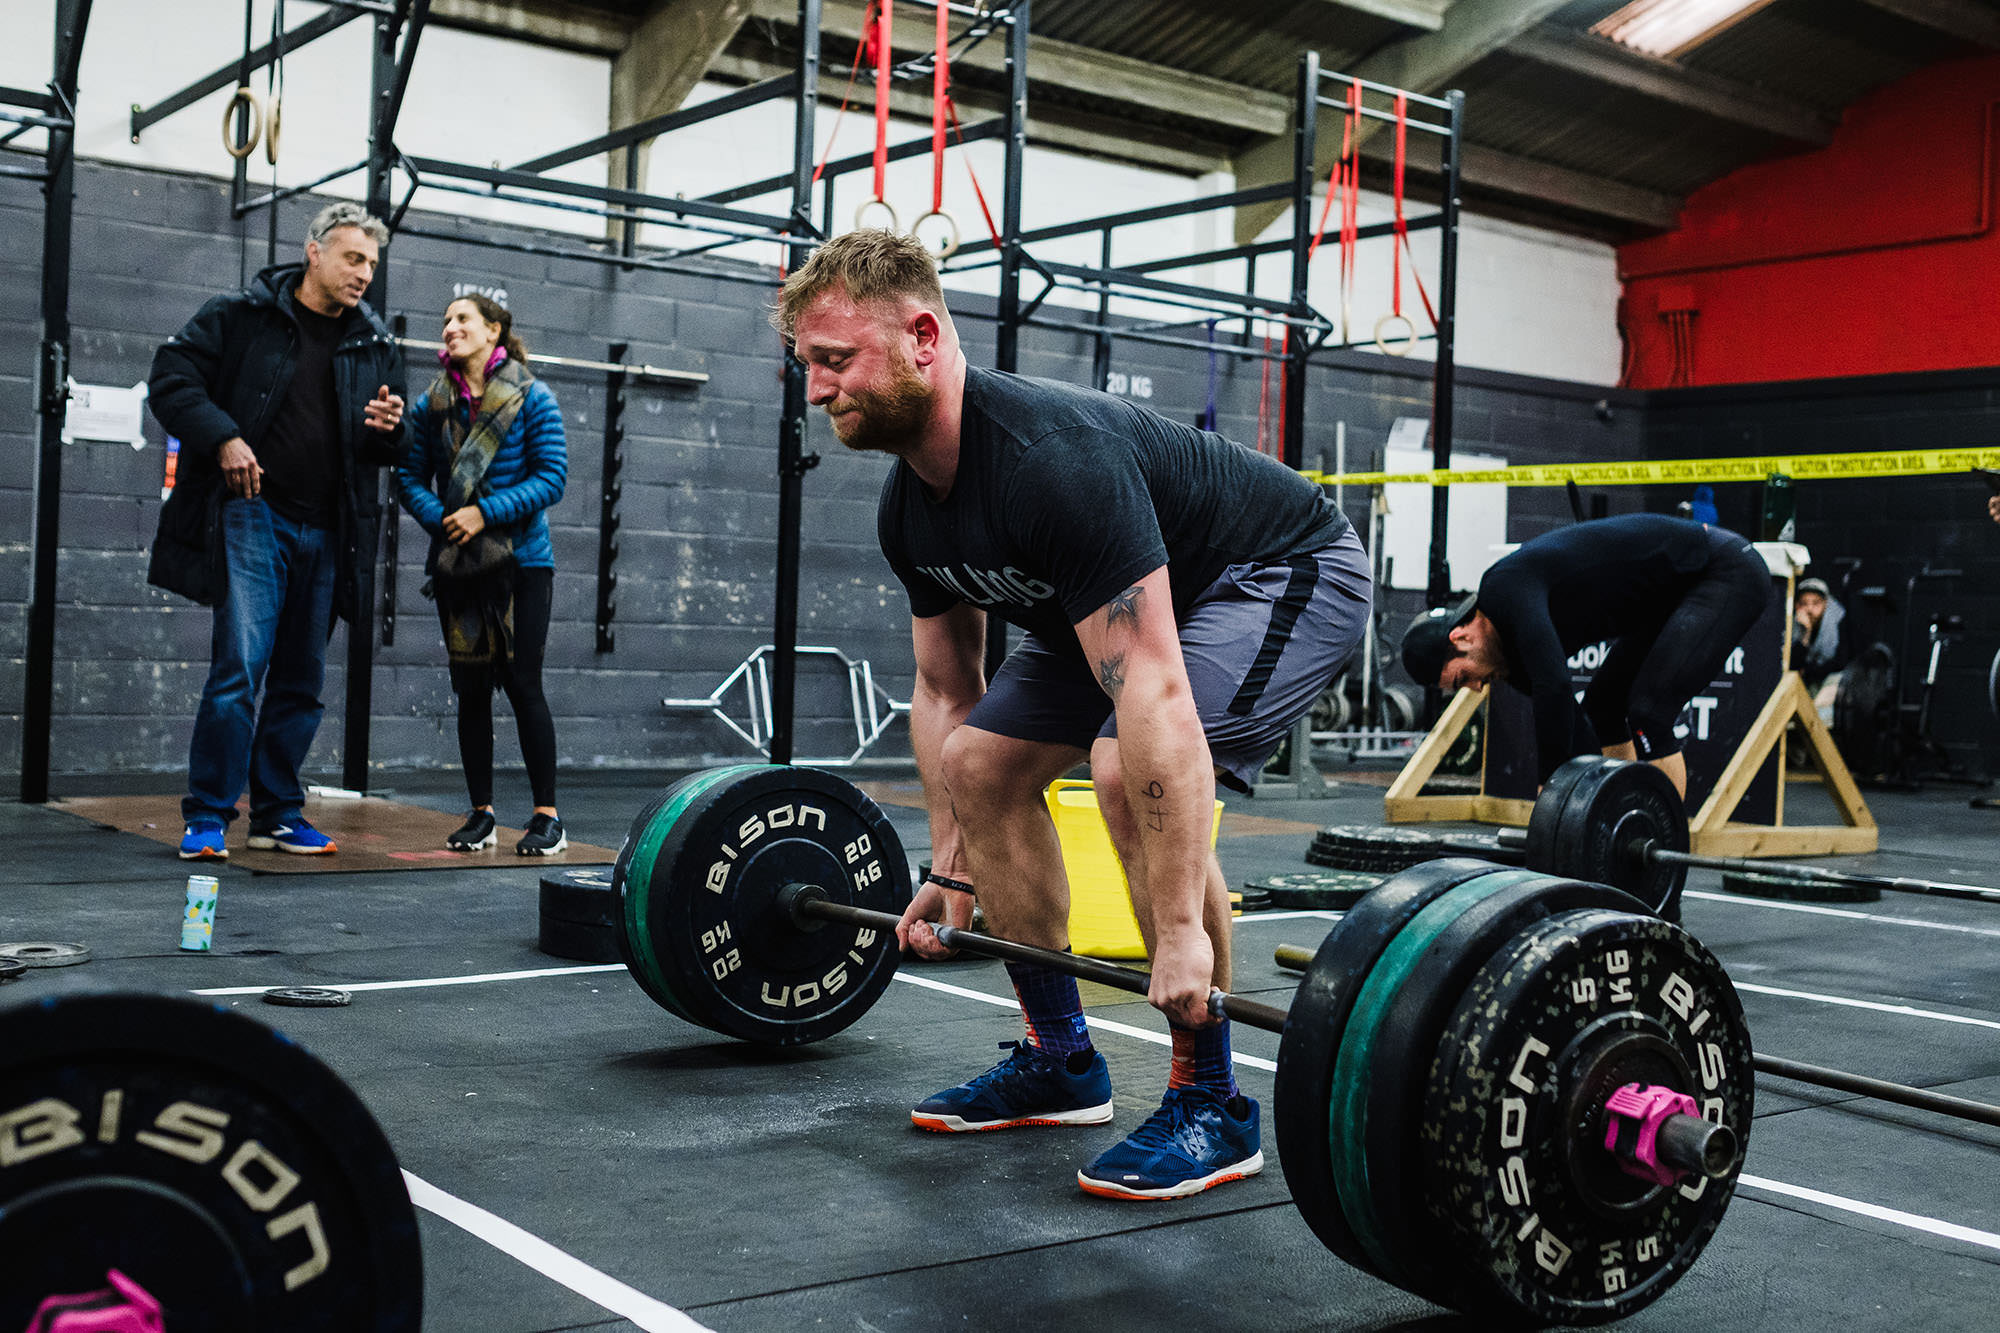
[1893, 526]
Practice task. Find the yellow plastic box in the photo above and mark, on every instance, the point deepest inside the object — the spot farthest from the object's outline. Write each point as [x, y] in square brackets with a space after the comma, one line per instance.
[1101, 924]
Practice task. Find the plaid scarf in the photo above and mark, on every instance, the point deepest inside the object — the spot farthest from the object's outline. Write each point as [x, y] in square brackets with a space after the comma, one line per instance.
[474, 582]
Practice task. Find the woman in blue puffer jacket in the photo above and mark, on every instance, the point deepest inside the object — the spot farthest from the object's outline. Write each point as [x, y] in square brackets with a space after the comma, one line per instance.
[482, 461]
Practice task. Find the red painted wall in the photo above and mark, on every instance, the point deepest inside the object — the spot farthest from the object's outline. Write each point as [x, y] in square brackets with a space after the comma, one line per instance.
[1875, 254]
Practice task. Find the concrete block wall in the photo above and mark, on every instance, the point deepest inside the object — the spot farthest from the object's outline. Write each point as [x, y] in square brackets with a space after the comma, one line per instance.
[697, 544]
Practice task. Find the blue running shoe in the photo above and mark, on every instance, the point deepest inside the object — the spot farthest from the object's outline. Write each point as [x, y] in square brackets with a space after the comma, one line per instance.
[294, 835]
[1195, 1141]
[203, 840]
[1029, 1087]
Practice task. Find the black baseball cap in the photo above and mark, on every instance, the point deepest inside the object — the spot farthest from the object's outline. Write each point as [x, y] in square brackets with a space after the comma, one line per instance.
[1427, 643]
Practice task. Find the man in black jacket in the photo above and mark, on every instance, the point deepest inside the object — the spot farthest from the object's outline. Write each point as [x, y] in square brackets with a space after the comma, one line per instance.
[285, 397]
[1676, 597]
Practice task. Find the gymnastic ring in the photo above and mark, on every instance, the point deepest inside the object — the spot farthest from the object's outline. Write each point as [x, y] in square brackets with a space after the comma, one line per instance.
[883, 204]
[950, 247]
[271, 131]
[1400, 349]
[243, 96]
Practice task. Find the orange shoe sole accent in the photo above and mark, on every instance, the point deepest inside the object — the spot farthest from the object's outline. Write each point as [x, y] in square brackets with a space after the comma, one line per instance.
[1108, 1192]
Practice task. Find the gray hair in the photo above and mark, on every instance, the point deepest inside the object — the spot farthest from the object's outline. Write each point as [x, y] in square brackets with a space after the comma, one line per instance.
[335, 216]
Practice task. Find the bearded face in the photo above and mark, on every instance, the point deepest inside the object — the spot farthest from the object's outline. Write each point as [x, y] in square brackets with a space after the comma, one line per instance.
[886, 415]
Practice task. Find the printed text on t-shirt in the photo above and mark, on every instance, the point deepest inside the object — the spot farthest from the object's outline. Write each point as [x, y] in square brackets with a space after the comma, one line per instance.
[985, 587]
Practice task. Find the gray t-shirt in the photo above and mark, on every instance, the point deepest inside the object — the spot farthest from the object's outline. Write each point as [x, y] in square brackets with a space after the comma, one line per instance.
[1065, 497]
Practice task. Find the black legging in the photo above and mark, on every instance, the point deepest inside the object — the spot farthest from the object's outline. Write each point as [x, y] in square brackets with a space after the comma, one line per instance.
[534, 591]
[1649, 675]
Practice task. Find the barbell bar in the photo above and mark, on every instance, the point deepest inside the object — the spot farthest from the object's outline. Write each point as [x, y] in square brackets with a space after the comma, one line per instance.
[1516, 840]
[1687, 1143]
[809, 903]
[1297, 958]
[1478, 1079]
[1616, 822]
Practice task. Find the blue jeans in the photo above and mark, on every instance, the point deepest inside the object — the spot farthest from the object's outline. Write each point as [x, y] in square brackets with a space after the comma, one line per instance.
[271, 629]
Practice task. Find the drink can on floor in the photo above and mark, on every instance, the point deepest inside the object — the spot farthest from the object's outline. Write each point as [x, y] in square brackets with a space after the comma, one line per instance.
[198, 920]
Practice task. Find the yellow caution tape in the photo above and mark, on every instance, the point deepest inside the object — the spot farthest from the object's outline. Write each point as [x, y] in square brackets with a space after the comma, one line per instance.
[1799, 467]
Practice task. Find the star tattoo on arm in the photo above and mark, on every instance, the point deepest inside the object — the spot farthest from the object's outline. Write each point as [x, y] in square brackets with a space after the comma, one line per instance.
[1111, 675]
[1125, 606]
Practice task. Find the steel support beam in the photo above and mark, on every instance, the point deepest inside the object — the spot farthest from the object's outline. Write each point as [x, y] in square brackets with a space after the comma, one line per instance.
[1967, 20]
[1608, 63]
[52, 402]
[1444, 374]
[1472, 30]
[783, 85]
[793, 461]
[144, 118]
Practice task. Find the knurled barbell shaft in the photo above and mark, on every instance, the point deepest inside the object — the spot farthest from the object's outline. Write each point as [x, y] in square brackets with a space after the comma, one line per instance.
[1901, 1093]
[1294, 958]
[1818, 875]
[808, 902]
[1512, 842]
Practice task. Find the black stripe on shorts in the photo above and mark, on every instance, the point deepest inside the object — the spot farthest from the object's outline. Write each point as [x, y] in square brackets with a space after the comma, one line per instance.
[1284, 615]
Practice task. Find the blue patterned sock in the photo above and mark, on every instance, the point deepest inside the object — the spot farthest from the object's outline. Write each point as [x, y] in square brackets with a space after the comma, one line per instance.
[1052, 1008]
[1202, 1060]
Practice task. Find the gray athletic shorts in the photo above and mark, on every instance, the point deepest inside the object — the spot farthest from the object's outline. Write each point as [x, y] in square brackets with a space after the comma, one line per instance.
[1260, 644]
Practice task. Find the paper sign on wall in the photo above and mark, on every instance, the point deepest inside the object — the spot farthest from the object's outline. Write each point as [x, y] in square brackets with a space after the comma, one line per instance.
[1476, 530]
[105, 412]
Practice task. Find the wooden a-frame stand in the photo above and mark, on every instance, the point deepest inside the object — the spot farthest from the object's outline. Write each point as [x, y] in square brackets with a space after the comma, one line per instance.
[1711, 832]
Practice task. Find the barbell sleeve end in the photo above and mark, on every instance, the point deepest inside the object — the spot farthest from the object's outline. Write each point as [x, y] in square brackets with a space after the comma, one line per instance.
[1697, 1146]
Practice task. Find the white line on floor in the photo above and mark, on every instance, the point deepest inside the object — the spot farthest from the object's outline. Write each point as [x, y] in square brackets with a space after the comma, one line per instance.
[1914, 1221]
[431, 981]
[1907, 1011]
[598, 1288]
[1313, 914]
[1739, 900]
[1107, 1024]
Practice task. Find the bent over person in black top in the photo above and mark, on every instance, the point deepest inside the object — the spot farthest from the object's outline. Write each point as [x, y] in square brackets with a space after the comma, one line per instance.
[1675, 597]
[1185, 601]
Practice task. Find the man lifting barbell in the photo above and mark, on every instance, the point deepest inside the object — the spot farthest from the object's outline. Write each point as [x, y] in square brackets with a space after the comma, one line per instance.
[1677, 597]
[1185, 601]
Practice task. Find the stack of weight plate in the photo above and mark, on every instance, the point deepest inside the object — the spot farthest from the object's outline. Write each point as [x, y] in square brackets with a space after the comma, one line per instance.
[580, 915]
[1312, 890]
[1386, 849]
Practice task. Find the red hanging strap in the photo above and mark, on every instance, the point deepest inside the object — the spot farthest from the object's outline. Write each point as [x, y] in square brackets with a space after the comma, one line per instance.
[941, 111]
[992, 228]
[1402, 245]
[883, 22]
[880, 49]
[1349, 168]
[861, 48]
[1333, 183]
[1402, 227]
[940, 92]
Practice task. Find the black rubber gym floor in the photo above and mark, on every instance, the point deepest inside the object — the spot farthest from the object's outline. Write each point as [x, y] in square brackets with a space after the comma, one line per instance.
[583, 1159]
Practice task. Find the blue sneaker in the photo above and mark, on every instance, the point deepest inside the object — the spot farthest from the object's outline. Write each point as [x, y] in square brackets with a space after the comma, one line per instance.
[1195, 1141]
[1029, 1087]
[294, 835]
[203, 840]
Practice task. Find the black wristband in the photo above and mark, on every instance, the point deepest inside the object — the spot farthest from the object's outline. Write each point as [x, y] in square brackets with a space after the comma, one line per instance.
[945, 881]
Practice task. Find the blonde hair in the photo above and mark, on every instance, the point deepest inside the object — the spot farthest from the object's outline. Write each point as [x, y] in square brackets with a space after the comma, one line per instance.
[869, 265]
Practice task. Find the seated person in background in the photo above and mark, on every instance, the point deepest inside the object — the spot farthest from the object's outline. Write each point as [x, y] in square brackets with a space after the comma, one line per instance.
[1677, 598]
[1819, 642]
